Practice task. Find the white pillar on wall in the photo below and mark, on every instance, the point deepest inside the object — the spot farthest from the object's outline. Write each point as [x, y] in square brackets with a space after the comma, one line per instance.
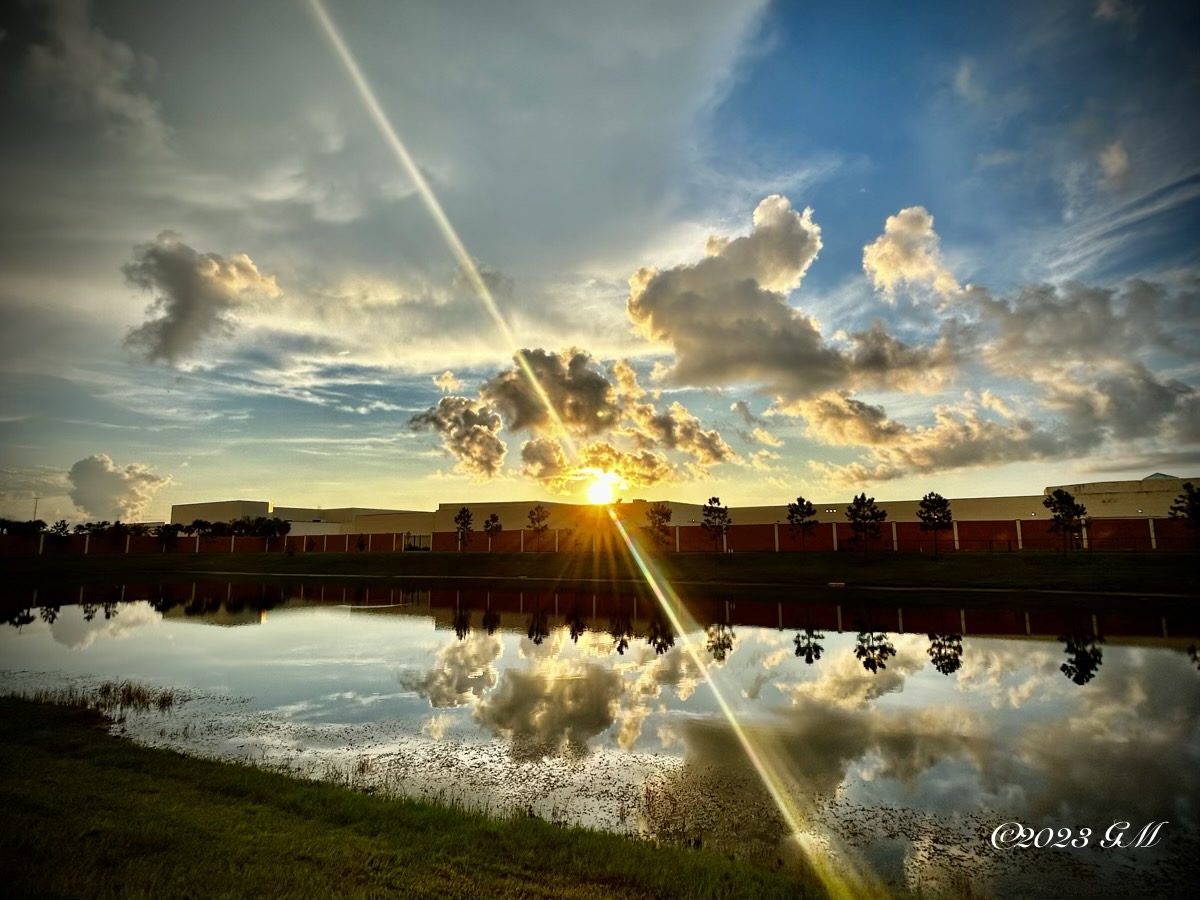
[777, 543]
[954, 528]
[1153, 536]
[895, 543]
[1020, 540]
[833, 525]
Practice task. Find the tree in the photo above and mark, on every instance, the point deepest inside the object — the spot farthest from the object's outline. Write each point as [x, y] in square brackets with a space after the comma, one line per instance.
[537, 522]
[874, 649]
[801, 519]
[492, 527]
[659, 516]
[659, 635]
[945, 652]
[716, 521]
[934, 513]
[808, 644]
[1083, 657]
[1187, 507]
[60, 528]
[168, 533]
[463, 520]
[864, 518]
[1066, 514]
[719, 641]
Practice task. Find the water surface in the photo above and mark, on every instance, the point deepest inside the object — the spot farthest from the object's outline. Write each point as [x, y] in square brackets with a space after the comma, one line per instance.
[906, 737]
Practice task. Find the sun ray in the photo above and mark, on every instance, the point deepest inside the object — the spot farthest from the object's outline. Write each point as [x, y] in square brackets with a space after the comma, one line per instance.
[436, 211]
[840, 878]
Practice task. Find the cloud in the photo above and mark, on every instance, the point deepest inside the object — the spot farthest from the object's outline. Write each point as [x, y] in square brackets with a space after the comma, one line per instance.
[447, 383]
[104, 491]
[544, 460]
[727, 316]
[996, 158]
[907, 254]
[958, 438]
[464, 672]
[72, 629]
[1118, 12]
[762, 436]
[89, 74]
[639, 468]
[581, 396]
[469, 431]
[551, 713]
[677, 429]
[742, 408]
[844, 683]
[837, 418]
[1115, 164]
[728, 320]
[195, 295]
[965, 84]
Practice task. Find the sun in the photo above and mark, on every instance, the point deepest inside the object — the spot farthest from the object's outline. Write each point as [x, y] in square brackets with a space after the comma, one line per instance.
[600, 490]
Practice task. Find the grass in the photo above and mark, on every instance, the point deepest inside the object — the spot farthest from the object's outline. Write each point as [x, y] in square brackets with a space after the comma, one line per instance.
[91, 815]
[717, 574]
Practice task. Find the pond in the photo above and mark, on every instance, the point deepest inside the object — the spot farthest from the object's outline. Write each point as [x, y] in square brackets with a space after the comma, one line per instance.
[892, 741]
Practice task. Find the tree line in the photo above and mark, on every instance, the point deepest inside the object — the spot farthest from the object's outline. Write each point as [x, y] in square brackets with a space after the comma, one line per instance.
[258, 526]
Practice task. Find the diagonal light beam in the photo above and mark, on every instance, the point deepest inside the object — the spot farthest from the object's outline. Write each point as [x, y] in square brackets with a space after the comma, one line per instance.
[840, 883]
[436, 211]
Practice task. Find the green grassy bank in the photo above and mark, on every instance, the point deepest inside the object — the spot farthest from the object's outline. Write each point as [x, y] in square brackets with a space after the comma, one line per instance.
[731, 574]
[91, 815]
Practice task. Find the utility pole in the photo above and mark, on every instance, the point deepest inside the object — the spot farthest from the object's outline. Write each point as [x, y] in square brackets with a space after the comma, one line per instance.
[36, 498]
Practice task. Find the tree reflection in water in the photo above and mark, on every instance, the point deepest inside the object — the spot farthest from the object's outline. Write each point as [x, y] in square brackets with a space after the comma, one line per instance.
[21, 618]
[576, 624]
[621, 630]
[49, 614]
[659, 636]
[873, 648]
[945, 652]
[539, 628]
[807, 645]
[1083, 657]
[491, 621]
[462, 622]
[719, 641]
[90, 610]
[1193, 653]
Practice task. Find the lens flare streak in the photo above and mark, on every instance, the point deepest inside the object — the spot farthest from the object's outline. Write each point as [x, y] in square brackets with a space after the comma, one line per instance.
[841, 883]
[434, 206]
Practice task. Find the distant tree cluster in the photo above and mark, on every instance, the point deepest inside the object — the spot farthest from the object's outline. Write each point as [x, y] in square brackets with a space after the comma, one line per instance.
[257, 526]
[31, 528]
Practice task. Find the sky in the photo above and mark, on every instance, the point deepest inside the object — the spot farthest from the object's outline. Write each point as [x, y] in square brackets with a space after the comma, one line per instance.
[749, 250]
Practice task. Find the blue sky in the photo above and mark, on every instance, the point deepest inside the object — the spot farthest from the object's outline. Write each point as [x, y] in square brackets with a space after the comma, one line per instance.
[756, 250]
